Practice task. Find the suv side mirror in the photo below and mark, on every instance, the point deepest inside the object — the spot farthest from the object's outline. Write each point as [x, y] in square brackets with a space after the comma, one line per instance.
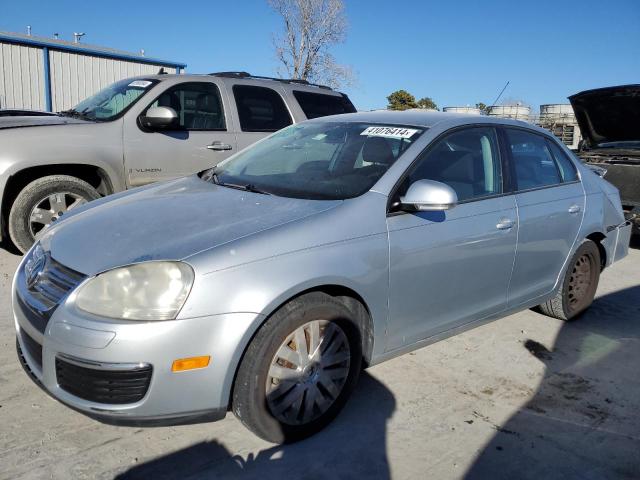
[158, 118]
[429, 195]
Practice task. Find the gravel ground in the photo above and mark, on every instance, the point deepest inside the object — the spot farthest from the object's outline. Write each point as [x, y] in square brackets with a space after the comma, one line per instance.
[524, 397]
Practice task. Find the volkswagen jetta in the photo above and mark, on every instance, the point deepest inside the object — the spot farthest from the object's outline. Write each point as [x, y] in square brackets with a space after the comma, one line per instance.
[264, 285]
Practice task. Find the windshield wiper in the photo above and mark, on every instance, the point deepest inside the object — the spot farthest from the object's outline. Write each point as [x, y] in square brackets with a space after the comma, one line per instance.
[249, 187]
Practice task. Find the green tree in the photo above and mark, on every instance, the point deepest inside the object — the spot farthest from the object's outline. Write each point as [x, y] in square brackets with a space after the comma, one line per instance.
[427, 103]
[483, 108]
[401, 100]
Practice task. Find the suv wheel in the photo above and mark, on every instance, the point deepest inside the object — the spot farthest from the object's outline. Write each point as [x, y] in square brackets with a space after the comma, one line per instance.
[579, 285]
[43, 202]
[299, 369]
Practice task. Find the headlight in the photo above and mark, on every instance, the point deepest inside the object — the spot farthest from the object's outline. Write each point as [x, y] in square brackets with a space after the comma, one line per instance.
[145, 291]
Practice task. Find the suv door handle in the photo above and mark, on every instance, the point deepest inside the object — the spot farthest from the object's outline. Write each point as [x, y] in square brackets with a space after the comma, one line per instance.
[574, 208]
[505, 224]
[219, 146]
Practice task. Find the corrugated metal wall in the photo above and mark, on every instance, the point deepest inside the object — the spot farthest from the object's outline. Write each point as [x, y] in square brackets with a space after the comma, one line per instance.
[21, 77]
[74, 77]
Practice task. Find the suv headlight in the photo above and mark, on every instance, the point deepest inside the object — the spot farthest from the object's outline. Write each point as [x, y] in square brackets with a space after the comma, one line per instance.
[144, 291]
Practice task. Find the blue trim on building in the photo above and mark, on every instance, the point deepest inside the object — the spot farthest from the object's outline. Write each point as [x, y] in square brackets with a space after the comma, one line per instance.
[86, 50]
[47, 79]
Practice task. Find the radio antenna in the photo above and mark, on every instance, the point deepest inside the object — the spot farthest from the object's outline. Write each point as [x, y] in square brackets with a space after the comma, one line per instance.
[500, 94]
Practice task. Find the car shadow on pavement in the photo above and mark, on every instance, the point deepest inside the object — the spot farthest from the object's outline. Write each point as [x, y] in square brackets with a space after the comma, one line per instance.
[353, 446]
[582, 420]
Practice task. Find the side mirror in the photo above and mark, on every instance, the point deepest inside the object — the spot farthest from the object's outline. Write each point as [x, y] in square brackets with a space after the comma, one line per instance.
[158, 118]
[429, 195]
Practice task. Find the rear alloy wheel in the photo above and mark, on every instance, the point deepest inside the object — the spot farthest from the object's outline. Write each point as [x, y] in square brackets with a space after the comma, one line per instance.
[299, 369]
[43, 202]
[579, 285]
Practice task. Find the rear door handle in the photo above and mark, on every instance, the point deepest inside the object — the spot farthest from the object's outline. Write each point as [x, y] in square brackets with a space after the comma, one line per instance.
[219, 146]
[505, 224]
[574, 209]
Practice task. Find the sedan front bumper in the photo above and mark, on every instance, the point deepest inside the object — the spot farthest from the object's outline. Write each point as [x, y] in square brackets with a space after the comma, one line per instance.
[81, 360]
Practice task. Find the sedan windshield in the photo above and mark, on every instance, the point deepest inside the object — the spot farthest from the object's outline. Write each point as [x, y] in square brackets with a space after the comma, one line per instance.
[112, 101]
[320, 161]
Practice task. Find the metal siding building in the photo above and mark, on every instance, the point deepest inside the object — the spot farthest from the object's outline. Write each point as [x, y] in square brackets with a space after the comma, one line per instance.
[44, 74]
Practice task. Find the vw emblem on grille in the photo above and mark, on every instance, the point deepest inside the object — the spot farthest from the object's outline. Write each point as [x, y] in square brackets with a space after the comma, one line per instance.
[34, 269]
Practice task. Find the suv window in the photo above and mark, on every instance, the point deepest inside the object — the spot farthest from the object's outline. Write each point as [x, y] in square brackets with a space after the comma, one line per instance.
[260, 109]
[197, 104]
[316, 105]
[567, 168]
[466, 160]
[534, 165]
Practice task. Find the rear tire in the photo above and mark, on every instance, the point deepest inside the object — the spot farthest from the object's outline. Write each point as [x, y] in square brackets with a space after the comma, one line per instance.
[277, 410]
[69, 192]
[578, 286]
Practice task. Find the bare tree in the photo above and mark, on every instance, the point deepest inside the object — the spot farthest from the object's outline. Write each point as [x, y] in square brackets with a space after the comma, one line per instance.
[310, 28]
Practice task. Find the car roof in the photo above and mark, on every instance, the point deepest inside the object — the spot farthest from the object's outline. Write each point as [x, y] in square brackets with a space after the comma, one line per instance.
[426, 118]
[249, 80]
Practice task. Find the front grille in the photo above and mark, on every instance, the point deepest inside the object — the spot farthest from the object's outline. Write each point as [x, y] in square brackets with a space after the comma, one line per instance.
[104, 386]
[53, 283]
[39, 299]
[33, 348]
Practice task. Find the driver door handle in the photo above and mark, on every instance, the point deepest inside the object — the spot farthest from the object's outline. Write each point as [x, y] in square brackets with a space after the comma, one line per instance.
[219, 146]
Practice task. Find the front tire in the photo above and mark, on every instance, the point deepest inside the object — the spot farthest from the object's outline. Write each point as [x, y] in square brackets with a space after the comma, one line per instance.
[299, 369]
[43, 202]
[578, 286]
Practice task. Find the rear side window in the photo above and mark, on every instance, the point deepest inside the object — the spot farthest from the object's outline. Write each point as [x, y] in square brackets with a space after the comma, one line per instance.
[260, 109]
[534, 165]
[566, 166]
[316, 105]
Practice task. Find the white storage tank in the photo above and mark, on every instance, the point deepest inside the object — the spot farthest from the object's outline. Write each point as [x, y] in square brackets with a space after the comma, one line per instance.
[557, 113]
[467, 109]
[560, 119]
[518, 112]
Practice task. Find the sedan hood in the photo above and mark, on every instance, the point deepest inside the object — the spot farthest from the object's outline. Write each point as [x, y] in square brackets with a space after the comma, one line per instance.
[17, 121]
[168, 221]
[609, 114]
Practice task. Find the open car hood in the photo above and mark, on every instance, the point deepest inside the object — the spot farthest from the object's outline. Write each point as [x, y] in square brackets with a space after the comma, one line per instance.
[610, 114]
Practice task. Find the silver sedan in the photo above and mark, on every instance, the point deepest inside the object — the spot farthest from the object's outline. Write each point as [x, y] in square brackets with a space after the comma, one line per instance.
[264, 285]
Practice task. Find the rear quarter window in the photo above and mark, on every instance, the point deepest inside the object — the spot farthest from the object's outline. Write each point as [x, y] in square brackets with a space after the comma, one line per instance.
[260, 109]
[316, 105]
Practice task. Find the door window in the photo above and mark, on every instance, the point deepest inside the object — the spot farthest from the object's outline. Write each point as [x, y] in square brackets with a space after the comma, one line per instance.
[533, 162]
[260, 109]
[197, 104]
[566, 166]
[316, 105]
[466, 160]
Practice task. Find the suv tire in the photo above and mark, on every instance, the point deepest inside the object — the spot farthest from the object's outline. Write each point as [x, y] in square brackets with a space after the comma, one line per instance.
[278, 410]
[578, 286]
[68, 192]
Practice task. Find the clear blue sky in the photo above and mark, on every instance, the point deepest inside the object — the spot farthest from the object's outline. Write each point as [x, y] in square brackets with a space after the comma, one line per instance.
[457, 52]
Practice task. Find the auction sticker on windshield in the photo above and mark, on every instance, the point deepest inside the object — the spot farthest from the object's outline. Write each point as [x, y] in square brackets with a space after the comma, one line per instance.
[140, 83]
[389, 132]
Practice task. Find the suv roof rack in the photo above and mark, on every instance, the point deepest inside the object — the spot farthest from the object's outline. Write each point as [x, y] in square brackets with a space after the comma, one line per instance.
[248, 76]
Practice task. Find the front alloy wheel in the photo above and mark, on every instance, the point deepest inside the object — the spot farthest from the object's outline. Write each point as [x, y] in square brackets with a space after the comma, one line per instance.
[43, 202]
